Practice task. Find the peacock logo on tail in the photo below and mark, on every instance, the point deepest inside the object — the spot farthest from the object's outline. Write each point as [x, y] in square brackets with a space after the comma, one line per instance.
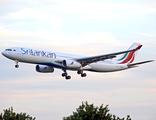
[129, 56]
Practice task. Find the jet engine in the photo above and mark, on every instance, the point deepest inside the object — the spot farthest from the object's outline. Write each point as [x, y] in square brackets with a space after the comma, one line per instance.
[44, 68]
[71, 64]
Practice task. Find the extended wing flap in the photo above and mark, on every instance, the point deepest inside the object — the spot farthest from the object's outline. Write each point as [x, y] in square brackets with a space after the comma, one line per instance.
[134, 64]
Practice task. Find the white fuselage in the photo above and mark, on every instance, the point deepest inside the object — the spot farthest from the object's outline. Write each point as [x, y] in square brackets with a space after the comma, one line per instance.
[52, 59]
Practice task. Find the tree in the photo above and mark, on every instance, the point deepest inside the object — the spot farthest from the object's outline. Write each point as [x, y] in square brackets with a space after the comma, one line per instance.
[10, 115]
[90, 112]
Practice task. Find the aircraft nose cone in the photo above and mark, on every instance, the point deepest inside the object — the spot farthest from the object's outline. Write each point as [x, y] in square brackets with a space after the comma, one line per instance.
[3, 53]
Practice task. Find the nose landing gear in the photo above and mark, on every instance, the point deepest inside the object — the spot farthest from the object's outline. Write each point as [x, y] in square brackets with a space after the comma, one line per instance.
[16, 66]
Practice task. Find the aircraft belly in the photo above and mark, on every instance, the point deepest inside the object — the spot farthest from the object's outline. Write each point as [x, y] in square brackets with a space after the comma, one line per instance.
[103, 67]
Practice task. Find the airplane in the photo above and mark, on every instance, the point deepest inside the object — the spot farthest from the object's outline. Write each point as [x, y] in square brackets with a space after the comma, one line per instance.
[47, 60]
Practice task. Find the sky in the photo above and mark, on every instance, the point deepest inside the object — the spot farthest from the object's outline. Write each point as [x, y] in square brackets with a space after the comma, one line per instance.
[83, 27]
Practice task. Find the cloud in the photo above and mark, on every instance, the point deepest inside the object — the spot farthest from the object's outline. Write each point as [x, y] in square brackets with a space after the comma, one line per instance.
[63, 40]
[95, 10]
[148, 3]
[92, 10]
[145, 34]
[45, 12]
[34, 16]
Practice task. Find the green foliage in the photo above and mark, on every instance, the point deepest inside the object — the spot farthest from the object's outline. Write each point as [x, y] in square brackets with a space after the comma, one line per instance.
[90, 112]
[10, 115]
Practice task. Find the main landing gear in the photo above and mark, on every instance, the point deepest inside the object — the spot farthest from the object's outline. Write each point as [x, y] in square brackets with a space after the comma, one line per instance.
[65, 74]
[81, 72]
[16, 66]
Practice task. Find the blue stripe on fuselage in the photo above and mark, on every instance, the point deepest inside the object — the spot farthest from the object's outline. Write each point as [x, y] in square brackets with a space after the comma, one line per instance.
[51, 64]
[61, 67]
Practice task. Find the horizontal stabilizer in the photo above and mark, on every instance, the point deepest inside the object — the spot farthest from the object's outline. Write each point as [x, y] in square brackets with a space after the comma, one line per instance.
[133, 65]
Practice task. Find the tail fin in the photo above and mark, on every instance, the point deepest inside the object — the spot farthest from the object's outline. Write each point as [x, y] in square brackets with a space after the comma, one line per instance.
[129, 56]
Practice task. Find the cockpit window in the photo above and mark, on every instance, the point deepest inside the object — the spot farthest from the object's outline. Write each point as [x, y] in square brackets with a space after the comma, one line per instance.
[8, 50]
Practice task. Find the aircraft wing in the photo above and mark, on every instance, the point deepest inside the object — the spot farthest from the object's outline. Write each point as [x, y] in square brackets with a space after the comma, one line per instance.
[133, 64]
[87, 60]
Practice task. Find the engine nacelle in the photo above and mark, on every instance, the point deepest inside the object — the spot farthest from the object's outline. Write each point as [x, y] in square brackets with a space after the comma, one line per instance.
[44, 68]
[71, 64]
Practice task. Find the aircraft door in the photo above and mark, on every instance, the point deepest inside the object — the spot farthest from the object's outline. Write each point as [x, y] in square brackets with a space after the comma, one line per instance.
[18, 51]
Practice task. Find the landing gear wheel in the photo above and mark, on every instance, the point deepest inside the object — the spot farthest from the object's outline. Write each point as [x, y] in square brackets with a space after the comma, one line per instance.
[79, 72]
[16, 62]
[64, 74]
[68, 77]
[16, 66]
[83, 75]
